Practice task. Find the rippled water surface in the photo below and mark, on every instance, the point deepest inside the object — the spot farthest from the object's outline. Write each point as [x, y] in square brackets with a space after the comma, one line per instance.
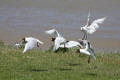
[19, 18]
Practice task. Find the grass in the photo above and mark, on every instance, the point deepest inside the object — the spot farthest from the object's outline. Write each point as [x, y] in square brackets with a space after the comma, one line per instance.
[46, 65]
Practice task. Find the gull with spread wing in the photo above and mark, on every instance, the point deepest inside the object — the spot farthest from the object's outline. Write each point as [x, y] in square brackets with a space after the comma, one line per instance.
[90, 28]
[56, 38]
[88, 50]
[30, 43]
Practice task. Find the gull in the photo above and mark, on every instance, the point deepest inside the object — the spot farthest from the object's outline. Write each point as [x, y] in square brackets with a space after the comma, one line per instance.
[88, 50]
[30, 43]
[56, 38]
[90, 28]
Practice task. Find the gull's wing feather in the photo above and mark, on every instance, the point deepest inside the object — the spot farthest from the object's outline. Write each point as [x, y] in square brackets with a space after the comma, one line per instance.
[88, 21]
[53, 32]
[92, 53]
[95, 25]
[70, 44]
[56, 46]
[99, 21]
[91, 50]
[58, 41]
[34, 40]
[29, 45]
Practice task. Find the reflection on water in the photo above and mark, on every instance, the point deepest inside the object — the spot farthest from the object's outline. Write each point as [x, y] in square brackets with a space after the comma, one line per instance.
[19, 18]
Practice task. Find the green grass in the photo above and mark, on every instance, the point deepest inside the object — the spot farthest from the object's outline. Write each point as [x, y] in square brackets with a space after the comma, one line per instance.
[46, 65]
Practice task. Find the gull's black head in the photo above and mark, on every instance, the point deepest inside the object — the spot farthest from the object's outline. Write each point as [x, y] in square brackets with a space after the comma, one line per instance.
[52, 39]
[23, 39]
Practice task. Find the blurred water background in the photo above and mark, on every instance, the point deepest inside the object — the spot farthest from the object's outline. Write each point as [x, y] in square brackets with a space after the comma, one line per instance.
[19, 18]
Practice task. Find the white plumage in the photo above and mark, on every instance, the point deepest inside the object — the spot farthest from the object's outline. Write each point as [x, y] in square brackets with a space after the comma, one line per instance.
[59, 40]
[70, 44]
[31, 42]
[93, 27]
[53, 33]
[90, 28]
[88, 50]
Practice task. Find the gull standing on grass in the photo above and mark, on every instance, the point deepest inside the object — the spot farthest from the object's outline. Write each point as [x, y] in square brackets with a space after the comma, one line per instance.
[90, 28]
[30, 43]
[88, 50]
[56, 38]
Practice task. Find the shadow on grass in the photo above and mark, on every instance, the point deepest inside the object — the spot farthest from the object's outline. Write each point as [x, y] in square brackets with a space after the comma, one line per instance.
[73, 64]
[91, 74]
[65, 69]
[38, 70]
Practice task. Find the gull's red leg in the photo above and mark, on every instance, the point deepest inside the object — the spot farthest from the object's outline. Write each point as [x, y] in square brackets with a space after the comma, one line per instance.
[89, 59]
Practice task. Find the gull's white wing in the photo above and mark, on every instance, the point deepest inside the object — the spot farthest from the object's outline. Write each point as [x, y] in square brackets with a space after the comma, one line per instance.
[88, 20]
[70, 44]
[56, 46]
[58, 41]
[53, 33]
[29, 45]
[99, 21]
[95, 25]
[29, 39]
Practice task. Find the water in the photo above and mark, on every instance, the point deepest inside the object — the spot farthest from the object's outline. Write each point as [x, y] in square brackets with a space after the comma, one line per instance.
[19, 18]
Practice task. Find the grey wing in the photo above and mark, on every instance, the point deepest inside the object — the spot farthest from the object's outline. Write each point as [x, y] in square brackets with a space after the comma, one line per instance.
[92, 52]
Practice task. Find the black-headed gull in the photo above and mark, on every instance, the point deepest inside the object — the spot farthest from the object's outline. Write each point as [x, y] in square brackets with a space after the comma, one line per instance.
[30, 43]
[90, 28]
[56, 38]
[87, 50]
